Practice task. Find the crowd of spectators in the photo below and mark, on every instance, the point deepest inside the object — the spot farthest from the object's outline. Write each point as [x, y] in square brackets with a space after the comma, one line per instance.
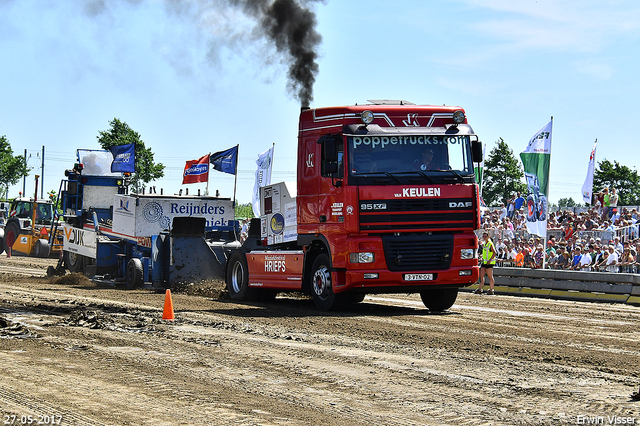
[602, 238]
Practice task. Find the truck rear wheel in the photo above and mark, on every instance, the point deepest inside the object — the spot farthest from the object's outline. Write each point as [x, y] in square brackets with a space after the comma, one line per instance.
[73, 261]
[322, 285]
[134, 274]
[439, 299]
[238, 277]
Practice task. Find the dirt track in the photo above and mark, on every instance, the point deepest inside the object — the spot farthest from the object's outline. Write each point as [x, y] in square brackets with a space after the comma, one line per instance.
[91, 355]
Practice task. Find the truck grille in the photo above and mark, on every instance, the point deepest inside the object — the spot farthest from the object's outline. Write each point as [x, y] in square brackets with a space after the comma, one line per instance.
[418, 252]
[423, 214]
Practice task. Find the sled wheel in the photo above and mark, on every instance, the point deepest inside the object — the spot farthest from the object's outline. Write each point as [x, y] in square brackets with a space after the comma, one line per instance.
[134, 276]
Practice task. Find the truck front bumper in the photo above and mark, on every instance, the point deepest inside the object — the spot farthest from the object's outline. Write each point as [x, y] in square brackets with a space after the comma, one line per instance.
[384, 281]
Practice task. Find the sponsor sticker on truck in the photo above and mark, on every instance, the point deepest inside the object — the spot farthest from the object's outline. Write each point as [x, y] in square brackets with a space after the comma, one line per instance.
[80, 241]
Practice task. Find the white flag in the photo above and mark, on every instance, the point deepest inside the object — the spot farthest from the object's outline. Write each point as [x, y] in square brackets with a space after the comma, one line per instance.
[587, 188]
[263, 177]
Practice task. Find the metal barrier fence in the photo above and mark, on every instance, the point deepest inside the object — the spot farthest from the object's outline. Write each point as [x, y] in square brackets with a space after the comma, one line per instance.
[627, 233]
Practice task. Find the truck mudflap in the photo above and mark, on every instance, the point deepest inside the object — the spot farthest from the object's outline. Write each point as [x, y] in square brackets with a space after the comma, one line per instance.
[192, 257]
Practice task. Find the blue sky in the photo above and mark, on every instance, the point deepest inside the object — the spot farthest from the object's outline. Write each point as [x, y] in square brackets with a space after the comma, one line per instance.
[193, 78]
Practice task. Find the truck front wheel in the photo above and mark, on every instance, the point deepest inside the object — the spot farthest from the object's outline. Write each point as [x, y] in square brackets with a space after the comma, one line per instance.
[322, 286]
[238, 278]
[439, 299]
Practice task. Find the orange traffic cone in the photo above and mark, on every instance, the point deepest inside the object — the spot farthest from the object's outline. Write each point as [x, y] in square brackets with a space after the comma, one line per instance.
[167, 314]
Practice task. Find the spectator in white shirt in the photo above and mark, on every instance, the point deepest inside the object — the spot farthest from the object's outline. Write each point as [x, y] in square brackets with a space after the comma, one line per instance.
[612, 260]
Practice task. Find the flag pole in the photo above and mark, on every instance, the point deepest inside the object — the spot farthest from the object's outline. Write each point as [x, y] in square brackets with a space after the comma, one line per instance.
[206, 191]
[235, 183]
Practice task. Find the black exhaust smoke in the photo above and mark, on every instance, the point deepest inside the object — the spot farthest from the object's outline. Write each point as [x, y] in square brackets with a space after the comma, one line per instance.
[291, 26]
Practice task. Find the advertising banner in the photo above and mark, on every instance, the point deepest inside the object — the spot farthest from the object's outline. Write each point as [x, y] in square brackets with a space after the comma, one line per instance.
[147, 216]
[536, 159]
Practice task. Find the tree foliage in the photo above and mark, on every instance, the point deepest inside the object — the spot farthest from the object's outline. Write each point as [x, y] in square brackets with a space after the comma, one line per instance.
[622, 178]
[12, 168]
[146, 169]
[244, 211]
[503, 175]
[564, 203]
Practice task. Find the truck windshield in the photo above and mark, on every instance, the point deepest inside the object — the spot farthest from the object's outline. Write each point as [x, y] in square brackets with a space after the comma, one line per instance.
[403, 154]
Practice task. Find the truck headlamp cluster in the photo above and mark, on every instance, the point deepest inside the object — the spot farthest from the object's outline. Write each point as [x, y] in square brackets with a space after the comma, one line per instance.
[364, 257]
[366, 117]
[458, 117]
[467, 254]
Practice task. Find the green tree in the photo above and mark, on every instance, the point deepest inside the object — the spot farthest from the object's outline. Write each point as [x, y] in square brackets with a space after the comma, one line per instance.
[567, 202]
[502, 175]
[12, 168]
[146, 169]
[622, 178]
[244, 211]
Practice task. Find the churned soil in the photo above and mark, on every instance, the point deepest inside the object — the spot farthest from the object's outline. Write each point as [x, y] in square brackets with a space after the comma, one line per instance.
[86, 353]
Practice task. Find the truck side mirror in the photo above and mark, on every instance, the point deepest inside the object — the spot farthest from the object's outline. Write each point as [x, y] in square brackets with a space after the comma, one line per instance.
[330, 168]
[476, 151]
[330, 151]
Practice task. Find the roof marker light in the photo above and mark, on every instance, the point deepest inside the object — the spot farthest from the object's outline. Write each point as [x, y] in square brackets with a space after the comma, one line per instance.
[458, 117]
[366, 117]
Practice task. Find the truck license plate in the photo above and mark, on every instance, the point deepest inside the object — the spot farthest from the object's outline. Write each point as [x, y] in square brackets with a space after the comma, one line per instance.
[418, 277]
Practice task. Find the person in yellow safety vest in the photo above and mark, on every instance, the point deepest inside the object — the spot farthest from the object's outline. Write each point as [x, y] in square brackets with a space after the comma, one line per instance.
[488, 262]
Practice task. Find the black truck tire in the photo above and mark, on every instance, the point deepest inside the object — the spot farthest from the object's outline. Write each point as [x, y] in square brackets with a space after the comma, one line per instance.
[73, 262]
[322, 285]
[11, 234]
[440, 299]
[135, 272]
[238, 278]
[41, 248]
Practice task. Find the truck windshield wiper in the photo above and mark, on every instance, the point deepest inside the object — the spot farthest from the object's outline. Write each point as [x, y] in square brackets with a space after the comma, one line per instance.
[418, 172]
[386, 174]
[458, 175]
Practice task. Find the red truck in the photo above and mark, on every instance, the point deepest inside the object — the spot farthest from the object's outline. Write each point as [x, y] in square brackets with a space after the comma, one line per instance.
[385, 202]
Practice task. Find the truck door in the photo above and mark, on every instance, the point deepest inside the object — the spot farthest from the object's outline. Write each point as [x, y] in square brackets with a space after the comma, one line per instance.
[331, 198]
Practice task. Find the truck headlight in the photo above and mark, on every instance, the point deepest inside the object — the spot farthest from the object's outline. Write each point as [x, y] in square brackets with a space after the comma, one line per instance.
[364, 257]
[467, 254]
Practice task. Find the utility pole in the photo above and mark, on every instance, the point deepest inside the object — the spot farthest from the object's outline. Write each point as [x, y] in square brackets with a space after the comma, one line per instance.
[24, 180]
[42, 174]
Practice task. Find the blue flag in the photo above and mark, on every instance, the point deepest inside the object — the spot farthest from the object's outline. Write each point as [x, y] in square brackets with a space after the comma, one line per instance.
[124, 158]
[225, 161]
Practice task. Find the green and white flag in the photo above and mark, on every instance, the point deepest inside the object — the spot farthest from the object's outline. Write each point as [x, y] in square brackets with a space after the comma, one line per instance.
[536, 159]
[479, 169]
